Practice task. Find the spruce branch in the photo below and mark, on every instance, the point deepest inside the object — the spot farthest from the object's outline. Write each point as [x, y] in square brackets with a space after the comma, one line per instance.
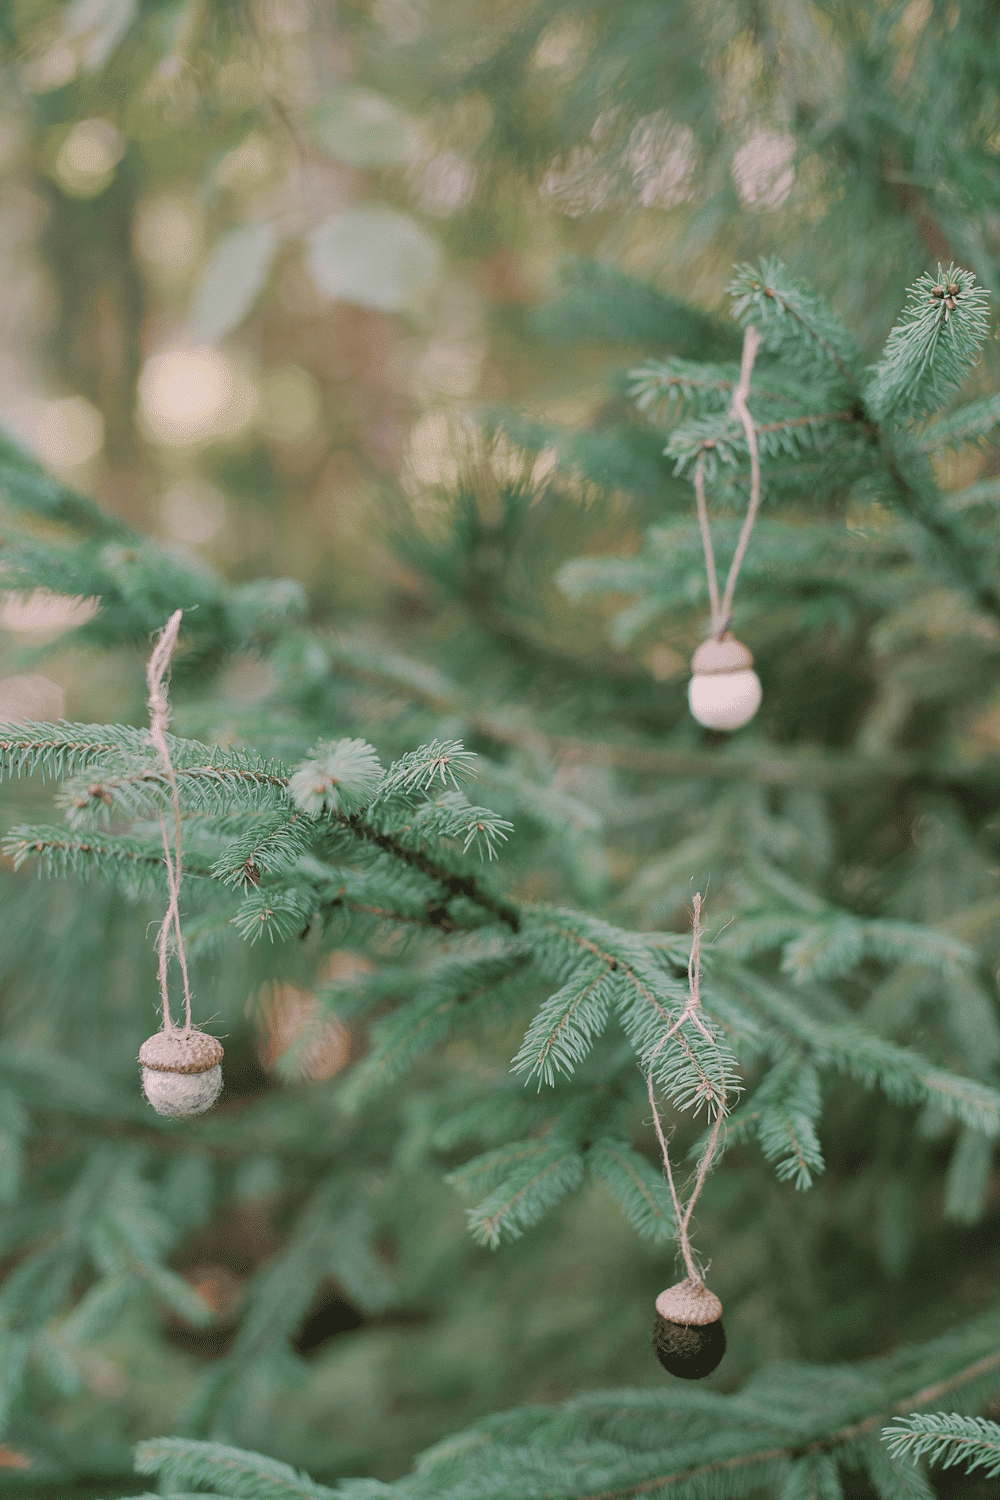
[347, 775]
[931, 349]
[208, 789]
[454, 884]
[692, 1013]
[902, 1074]
[794, 320]
[636, 1186]
[280, 914]
[783, 1113]
[695, 1072]
[338, 777]
[814, 1477]
[670, 388]
[444, 763]
[598, 301]
[269, 847]
[783, 1430]
[230, 1471]
[913, 488]
[60, 854]
[58, 751]
[947, 1439]
[491, 1169]
[972, 423]
[768, 765]
[716, 443]
[792, 1424]
[26, 485]
[450, 991]
[564, 1028]
[526, 1195]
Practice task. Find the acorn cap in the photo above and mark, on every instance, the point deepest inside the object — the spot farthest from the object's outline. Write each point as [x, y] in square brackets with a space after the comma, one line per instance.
[724, 655]
[180, 1052]
[689, 1302]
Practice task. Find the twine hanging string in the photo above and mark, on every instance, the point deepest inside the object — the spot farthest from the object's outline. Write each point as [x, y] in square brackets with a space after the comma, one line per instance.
[691, 1012]
[722, 606]
[159, 718]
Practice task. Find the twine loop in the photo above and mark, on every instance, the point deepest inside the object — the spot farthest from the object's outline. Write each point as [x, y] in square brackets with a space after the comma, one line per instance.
[722, 605]
[691, 1012]
[159, 718]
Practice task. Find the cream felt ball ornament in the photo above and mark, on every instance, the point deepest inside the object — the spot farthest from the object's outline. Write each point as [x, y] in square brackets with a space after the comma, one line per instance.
[181, 1071]
[724, 691]
[181, 1066]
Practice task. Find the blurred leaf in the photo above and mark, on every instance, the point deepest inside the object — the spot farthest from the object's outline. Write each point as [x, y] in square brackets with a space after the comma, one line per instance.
[104, 24]
[231, 281]
[374, 257]
[361, 129]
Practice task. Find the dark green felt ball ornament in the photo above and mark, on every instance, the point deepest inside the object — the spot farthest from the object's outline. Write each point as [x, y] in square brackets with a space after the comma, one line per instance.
[688, 1337]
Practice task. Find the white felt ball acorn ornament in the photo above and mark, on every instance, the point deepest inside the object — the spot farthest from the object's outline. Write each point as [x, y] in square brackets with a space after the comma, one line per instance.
[688, 1337]
[181, 1071]
[181, 1066]
[724, 691]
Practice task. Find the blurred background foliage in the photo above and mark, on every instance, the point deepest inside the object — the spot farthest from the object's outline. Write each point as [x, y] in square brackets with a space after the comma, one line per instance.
[349, 293]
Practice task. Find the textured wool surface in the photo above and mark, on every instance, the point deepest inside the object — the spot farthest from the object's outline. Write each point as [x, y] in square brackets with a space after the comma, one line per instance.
[724, 700]
[181, 1052]
[690, 1351]
[726, 654]
[178, 1094]
[689, 1302]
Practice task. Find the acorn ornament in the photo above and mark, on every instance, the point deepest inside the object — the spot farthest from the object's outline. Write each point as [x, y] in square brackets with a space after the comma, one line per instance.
[724, 691]
[181, 1066]
[688, 1337]
[181, 1071]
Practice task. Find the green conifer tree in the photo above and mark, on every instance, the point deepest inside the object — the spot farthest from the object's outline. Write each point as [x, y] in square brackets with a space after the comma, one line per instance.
[467, 837]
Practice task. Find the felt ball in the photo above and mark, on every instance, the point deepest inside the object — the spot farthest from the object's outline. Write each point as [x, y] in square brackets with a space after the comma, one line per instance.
[724, 691]
[688, 1337]
[181, 1072]
[724, 702]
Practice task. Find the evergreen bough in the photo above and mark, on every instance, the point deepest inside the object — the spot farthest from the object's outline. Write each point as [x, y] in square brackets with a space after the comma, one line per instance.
[330, 843]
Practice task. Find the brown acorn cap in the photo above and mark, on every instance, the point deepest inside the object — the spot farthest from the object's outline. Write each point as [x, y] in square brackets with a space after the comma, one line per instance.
[724, 655]
[180, 1052]
[689, 1302]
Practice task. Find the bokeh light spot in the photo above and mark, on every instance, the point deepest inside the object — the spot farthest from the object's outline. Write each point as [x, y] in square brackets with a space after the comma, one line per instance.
[188, 396]
[42, 611]
[167, 233]
[86, 160]
[31, 697]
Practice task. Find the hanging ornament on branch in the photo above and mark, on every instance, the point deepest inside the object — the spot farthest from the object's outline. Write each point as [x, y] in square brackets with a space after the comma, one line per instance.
[688, 1337]
[724, 691]
[181, 1066]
